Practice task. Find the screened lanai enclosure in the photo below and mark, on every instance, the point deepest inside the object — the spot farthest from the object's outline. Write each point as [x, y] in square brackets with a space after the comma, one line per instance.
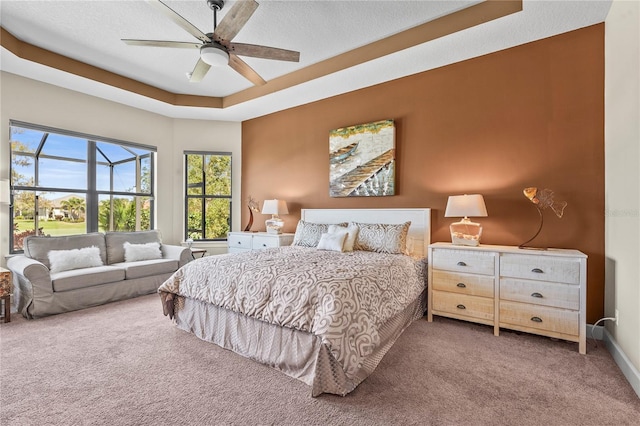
[66, 183]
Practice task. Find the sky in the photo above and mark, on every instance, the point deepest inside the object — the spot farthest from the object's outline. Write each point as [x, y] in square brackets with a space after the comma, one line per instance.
[71, 174]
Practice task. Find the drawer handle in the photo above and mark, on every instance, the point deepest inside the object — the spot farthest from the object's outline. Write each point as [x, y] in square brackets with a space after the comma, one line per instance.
[461, 285]
[461, 306]
[536, 319]
[537, 270]
[239, 242]
[462, 263]
[264, 245]
[538, 295]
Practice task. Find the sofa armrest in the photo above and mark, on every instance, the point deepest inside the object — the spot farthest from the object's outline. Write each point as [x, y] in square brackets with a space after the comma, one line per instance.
[32, 282]
[31, 271]
[179, 253]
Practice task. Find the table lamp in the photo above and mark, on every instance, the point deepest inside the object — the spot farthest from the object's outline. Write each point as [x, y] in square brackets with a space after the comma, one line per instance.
[465, 232]
[274, 208]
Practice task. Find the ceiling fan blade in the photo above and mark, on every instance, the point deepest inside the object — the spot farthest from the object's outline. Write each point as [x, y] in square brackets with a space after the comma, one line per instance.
[199, 71]
[234, 20]
[245, 70]
[161, 43]
[179, 20]
[265, 52]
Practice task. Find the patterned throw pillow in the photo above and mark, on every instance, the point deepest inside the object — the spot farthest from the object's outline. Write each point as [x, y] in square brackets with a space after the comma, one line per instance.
[308, 234]
[382, 238]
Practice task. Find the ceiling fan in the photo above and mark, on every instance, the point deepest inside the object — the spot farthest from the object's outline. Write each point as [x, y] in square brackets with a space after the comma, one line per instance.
[216, 48]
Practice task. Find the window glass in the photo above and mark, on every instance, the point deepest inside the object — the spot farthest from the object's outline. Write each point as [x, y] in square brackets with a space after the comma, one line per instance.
[124, 214]
[53, 193]
[208, 195]
[61, 174]
[57, 145]
[25, 140]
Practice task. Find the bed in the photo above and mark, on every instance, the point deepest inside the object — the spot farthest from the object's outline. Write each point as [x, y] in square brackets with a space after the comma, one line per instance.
[318, 314]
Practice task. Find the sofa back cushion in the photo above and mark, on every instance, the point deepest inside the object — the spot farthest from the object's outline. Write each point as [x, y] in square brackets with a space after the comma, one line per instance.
[115, 242]
[38, 247]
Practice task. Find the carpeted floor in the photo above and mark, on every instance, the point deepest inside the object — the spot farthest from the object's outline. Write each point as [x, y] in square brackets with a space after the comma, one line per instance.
[126, 364]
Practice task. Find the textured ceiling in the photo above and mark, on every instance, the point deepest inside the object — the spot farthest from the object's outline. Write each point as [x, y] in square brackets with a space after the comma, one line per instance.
[90, 31]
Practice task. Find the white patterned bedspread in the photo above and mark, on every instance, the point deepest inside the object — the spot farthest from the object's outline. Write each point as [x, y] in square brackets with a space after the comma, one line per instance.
[341, 297]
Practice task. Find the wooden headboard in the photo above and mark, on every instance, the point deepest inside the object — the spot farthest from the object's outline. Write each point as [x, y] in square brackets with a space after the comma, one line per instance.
[419, 232]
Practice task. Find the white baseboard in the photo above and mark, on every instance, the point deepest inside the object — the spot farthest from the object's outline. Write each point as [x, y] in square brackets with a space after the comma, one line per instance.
[629, 371]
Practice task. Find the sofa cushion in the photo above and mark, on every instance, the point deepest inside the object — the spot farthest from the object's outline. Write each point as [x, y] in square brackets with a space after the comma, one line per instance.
[147, 268]
[38, 247]
[115, 243]
[80, 278]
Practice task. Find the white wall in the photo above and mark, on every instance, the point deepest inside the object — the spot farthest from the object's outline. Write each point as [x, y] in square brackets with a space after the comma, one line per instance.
[40, 103]
[622, 176]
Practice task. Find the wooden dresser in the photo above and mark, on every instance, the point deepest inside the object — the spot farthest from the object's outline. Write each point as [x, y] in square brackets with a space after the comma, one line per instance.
[535, 291]
[244, 241]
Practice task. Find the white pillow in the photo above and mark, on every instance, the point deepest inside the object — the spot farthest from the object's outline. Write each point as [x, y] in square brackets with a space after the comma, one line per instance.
[135, 252]
[352, 234]
[66, 260]
[333, 242]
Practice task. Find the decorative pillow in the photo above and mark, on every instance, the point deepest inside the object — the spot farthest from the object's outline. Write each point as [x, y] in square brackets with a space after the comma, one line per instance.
[308, 234]
[66, 260]
[352, 234]
[382, 238]
[333, 242]
[135, 252]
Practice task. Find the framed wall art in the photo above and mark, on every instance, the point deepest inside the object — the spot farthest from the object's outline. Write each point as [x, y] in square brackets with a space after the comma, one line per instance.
[362, 160]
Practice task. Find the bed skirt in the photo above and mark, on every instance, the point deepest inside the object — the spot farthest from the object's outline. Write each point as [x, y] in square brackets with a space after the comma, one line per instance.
[298, 354]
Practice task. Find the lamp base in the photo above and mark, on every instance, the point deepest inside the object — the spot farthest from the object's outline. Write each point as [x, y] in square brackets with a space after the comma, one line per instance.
[465, 233]
[274, 225]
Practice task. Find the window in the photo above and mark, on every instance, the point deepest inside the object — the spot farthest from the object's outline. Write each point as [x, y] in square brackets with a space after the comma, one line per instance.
[66, 183]
[207, 195]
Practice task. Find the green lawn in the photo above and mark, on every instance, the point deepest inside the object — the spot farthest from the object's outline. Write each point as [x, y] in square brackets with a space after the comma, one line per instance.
[54, 227]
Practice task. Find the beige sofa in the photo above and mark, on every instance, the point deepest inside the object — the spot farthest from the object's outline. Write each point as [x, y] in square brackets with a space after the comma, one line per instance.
[41, 291]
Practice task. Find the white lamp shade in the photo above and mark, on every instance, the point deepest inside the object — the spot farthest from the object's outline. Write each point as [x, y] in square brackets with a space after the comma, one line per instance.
[466, 206]
[214, 56]
[275, 207]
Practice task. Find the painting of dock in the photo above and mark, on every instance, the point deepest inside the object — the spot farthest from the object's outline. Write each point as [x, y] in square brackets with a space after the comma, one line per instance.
[362, 160]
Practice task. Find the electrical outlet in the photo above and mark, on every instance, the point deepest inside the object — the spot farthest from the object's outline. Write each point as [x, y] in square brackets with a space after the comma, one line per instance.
[616, 316]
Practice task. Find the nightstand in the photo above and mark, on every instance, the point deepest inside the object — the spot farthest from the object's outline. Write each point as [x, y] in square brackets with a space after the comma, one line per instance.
[6, 289]
[246, 241]
[535, 291]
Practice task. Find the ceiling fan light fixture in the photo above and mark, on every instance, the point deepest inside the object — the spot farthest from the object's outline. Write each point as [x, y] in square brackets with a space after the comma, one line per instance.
[214, 55]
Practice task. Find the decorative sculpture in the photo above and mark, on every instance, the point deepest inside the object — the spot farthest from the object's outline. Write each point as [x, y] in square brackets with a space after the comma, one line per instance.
[542, 199]
[253, 207]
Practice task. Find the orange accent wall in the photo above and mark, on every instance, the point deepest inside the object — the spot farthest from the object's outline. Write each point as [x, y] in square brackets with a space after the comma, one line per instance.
[532, 115]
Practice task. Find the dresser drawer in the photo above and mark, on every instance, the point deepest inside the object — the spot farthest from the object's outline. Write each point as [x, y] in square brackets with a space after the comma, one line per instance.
[539, 317]
[261, 243]
[475, 262]
[239, 241]
[557, 295]
[541, 268]
[457, 282]
[462, 304]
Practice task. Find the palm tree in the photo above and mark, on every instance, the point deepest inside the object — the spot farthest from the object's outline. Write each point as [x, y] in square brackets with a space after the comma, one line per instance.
[75, 206]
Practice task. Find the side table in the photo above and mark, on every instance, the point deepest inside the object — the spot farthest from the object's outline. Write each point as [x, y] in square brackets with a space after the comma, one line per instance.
[6, 287]
[200, 252]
